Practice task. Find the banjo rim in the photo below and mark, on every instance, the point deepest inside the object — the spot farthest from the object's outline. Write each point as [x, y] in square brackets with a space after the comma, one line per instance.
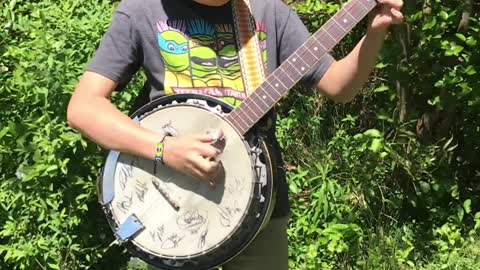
[265, 209]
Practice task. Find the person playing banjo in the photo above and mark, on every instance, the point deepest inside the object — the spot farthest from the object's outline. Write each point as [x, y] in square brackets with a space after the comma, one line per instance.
[194, 205]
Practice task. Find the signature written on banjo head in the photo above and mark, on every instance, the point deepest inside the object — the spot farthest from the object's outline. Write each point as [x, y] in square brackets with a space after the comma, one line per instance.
[183, 218]
[175, 222]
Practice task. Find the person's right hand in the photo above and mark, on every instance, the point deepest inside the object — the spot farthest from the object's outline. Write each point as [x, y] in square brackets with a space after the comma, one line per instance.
[193, 155]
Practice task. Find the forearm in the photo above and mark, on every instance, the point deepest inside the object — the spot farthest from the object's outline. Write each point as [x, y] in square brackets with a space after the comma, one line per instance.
[345, 77]
[99, 120]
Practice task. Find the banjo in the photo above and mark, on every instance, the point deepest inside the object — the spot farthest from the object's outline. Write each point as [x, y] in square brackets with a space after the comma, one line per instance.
[173, 221]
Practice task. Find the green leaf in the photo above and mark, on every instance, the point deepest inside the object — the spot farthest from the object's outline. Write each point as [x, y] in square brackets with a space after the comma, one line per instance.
[454, 49]
[53, 266]
[293, 187]
[381, 88]
[454, 192]
[471, 41]
[425, 187]
[439, 84]
[461, 36]
[430, 24]
[3, 132]
[376, 145]
[470, 70]
[374, 133]
[444, 15]
[380, 65]
[434, 102]
[467, 206]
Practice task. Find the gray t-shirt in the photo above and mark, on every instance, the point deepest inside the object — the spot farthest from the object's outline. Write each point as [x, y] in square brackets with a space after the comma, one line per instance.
[186, 47]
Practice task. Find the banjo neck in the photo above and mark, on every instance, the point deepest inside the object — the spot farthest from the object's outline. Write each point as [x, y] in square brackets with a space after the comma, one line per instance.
[279, 82]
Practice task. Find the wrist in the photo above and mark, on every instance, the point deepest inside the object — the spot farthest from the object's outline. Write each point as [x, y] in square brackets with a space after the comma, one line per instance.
[167, 147]
[159, 153]
[160, 150]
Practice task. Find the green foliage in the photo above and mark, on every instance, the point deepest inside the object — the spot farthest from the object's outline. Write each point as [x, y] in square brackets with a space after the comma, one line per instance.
[386, 182]
[390, 178]
[49, 218]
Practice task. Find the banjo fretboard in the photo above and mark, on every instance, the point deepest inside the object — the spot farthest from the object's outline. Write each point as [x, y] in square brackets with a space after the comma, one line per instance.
[279, 82]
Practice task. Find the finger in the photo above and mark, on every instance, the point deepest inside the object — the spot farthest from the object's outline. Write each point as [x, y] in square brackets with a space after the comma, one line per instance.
[396, 4]
[208, 168]
[397, 16]
[198, 174]
[206, 138]
[216, 134]
[207, 151]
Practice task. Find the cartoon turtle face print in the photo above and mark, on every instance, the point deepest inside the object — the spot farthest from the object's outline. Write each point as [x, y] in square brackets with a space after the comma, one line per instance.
[203, 58]
[173, 45]
[203, 54]
[228, 64]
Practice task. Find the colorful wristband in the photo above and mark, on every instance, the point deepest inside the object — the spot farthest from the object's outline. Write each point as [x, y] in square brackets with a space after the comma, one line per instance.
[159, 154]
[159, 151]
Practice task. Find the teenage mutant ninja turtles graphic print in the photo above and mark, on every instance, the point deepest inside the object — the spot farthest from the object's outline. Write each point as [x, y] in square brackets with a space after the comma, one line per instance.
[203, 58]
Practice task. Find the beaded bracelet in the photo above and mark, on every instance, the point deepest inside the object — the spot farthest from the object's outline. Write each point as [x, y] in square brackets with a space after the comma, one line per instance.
[159, 152]
[160, 148]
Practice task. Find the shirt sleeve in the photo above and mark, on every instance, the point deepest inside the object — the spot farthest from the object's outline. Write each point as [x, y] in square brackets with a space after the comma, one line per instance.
[119, 55]
[291, 34]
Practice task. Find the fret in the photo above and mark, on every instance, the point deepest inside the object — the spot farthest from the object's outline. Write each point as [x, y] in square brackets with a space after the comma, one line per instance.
[237, 121]
[242, 129]
[289, 68]
[345, 20]
[289, 80]
[364, 6]
[256, 114]
[329, 27]
[315, 47]
[257, 107]
[298, 64]
[240, 119]
[265, 96]
[352, 6]
[274, 88]
[368, 4]
[336, 31]
[329, 24]
[358, 10]
[309, 58]
[324, 39]
[327, 33]
[277, 83]
[251, 120]
[339, 26]
[257, 96]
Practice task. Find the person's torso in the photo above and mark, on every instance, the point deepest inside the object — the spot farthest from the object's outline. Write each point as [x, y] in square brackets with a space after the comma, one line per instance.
[192, 48]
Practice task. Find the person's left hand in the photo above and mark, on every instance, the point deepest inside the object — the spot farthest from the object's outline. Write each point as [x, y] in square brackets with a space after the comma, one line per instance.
[387, 13]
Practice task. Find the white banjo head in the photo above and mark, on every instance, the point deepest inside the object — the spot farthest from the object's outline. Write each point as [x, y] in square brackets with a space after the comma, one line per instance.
[184, 218]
